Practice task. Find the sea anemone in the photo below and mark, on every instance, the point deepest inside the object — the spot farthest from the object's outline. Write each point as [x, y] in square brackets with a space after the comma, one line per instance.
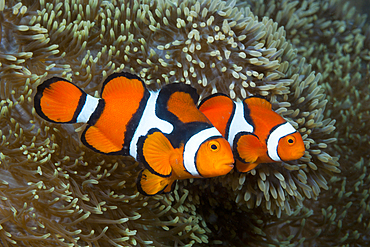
[56, 191]
[53, 190]
[334, 40]
[282, 186]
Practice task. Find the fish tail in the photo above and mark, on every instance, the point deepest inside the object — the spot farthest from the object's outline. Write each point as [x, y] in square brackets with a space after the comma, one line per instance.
[60, 101]
[150, 184]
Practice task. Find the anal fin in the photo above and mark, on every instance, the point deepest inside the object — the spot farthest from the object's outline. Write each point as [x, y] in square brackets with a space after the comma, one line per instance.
[95, 139]
[150, 184]
[244, 167]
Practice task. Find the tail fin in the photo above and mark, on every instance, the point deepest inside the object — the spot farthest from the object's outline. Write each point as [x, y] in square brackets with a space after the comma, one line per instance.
[150, 184]
[218, 108]
[58, 100]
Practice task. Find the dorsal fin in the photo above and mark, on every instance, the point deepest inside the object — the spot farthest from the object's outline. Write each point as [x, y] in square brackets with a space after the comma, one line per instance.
[218, 108]
[258, 101]
[123, 84]
[215, 101]
[125, 97]
[180, 100]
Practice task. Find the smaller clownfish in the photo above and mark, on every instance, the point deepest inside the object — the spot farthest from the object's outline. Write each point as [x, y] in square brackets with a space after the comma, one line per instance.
[162, 129]
[255, 132]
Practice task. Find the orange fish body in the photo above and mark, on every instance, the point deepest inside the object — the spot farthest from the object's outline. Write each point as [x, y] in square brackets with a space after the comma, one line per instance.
[162, 129]
[255, 132]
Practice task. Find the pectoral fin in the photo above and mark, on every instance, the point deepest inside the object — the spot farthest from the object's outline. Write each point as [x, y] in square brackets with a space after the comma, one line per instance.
[156, 154]
[248, 148]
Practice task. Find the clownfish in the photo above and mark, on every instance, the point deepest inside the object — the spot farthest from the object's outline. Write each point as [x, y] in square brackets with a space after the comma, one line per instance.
[162, 129]
[255, 132]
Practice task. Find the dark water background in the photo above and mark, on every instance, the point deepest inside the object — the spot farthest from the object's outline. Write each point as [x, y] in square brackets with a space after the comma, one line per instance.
[362, 7]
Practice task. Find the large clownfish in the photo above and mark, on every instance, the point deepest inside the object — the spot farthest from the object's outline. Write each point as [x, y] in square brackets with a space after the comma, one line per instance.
[162, 129]
[255, 132]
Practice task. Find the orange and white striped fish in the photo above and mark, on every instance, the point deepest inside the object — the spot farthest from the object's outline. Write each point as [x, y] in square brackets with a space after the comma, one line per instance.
[162, 129]
[255, 132]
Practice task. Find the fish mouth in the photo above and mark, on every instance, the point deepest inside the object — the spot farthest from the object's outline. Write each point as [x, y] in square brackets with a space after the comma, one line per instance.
[228, 163]
[218, 168]
[302, 154]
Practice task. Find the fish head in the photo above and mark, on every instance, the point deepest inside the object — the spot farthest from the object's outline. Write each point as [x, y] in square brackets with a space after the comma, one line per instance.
[214, 158]
[291, 147]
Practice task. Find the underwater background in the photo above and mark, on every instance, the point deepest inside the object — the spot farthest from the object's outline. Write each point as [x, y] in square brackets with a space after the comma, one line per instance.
[311, 59]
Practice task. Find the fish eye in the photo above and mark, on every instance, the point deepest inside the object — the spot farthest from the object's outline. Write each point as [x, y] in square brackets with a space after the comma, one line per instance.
[290, 140]
[214, 145]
